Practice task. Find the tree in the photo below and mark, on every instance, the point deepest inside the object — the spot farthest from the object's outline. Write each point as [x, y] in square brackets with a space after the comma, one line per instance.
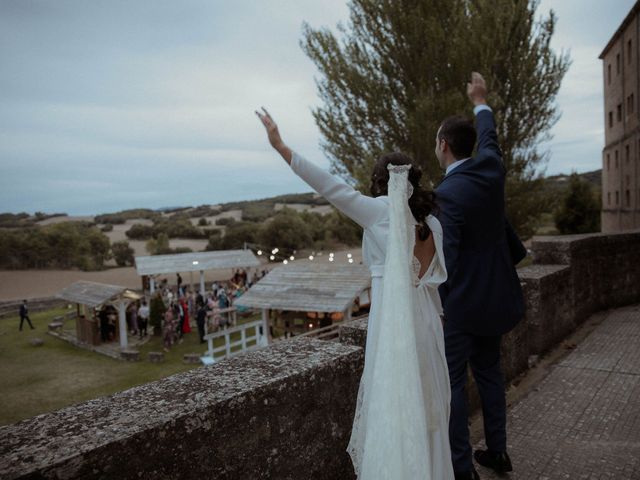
[156, 312]
[401, 66]
[159, 245]
[122, 253]
[580, 209]
[286, 231]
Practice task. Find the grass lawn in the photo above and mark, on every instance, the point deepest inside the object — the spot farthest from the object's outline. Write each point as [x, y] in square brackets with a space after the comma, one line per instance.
[35, 380]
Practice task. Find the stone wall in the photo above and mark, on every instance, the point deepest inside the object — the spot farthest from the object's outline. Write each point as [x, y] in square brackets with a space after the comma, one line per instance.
[11, 308]
[285, 411]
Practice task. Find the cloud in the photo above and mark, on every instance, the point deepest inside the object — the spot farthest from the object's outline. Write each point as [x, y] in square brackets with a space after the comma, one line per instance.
[116, 104]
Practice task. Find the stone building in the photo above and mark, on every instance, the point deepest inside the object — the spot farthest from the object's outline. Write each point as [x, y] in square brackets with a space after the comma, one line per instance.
[621, 154]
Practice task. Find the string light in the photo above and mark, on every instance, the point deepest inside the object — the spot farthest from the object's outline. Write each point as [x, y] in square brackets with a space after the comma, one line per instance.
[285, 261]
[351, 260]
[310, 257]
[259, 252]
[348, 255]
[272, 258]
[331, 259]
[292, 258]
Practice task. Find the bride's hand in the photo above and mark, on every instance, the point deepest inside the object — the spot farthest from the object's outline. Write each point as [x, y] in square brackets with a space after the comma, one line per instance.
[272, 129]
[274, 135]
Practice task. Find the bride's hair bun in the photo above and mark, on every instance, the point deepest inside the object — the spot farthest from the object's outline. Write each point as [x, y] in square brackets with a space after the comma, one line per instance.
[422, 201]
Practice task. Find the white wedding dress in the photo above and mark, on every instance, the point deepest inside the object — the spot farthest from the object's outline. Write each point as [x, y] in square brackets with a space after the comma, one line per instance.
[400, 428]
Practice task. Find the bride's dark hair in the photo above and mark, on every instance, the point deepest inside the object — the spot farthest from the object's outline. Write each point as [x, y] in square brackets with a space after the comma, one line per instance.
[421, 203]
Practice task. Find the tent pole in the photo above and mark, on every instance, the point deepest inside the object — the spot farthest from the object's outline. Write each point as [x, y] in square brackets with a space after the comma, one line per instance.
[123, 325]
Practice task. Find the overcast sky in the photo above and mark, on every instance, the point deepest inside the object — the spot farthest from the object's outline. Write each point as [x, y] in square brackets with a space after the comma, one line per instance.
[108, 104]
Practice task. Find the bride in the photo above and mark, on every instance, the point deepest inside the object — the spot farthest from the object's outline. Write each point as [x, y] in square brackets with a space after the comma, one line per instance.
[400, 428]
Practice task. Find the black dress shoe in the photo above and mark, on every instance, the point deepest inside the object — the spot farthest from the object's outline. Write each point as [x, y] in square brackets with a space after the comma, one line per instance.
[498, 462]
[470, 475]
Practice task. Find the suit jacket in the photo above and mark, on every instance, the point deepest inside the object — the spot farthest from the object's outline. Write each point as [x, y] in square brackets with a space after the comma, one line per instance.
[23, 311]
[482, 294]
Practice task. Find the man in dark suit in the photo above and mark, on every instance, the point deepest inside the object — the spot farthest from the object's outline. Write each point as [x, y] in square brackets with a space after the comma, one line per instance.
[482, 298]
[24, 314]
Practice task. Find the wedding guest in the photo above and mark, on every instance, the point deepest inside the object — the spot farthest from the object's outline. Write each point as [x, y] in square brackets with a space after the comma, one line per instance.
[201, 318]
[132, 317]
[104, 325]
[24, 315]
[186, 328]
[179, 319]
[143, 318]
[170, 322]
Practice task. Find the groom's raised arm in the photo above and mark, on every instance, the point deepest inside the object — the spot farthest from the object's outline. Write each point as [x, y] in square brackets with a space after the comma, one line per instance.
[485, 123]
[486, 128]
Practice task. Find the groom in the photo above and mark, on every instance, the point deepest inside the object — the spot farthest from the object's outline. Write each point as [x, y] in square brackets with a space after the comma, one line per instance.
[481, 298]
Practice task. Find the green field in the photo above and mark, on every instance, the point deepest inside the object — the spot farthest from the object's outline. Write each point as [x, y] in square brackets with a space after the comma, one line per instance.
[35, 380]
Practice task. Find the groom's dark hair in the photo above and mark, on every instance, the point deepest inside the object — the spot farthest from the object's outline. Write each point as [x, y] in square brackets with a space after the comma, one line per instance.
[460, 135]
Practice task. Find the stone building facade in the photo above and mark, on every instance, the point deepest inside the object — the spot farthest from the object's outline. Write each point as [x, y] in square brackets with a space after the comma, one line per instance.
[621, 154]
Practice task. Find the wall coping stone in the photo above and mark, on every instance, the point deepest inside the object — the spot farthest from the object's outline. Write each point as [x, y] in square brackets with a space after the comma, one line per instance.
[58, 440]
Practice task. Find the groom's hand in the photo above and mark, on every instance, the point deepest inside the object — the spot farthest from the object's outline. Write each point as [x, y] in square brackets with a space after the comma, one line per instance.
[477, 89]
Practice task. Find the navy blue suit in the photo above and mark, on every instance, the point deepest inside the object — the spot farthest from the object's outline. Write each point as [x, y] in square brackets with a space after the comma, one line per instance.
[481, 298]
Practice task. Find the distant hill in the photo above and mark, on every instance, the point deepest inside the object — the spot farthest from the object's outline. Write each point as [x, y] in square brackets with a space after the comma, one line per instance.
[557, 185]
[594, 178]
[252, 210]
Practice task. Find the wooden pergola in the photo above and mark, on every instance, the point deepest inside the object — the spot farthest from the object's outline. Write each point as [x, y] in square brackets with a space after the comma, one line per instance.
[153, 265]
[308, 287]
[92, 294]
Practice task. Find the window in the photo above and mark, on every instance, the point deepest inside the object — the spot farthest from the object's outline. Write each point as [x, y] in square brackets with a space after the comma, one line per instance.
[610, 119]
[630, 104]
[608, 198]
[629, 51]
[626, 152]
[628, 180]
[619, 112]
[608, 161]
[617, 198]
[628, 198]
[609, 74]
[618, 64]
[615, 153]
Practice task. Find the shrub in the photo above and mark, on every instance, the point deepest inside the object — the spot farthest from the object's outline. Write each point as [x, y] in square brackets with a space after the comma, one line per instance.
[580, 209]
[203, 222]
[139, 231]
[225, 221]
[122, 253]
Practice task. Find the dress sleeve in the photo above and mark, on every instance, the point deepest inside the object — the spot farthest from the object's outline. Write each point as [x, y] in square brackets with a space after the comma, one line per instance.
[365, 211]
[439, 273]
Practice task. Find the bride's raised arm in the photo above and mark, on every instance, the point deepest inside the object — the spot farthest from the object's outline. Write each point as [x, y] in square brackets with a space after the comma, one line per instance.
[362, 209]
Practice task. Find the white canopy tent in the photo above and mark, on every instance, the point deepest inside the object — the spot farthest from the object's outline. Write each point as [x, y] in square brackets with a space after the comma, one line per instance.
[308, 287]
[194, 262]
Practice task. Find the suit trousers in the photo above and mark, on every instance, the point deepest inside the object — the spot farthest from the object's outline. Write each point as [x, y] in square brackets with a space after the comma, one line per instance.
[483, 355]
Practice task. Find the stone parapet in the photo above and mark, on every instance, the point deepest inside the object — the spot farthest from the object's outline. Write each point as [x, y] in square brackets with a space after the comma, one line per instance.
[604, 268]
[279, 412]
